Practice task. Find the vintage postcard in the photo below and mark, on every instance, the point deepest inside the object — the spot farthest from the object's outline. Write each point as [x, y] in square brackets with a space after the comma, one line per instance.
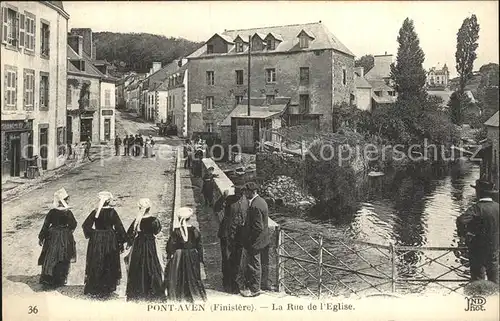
[232, 160]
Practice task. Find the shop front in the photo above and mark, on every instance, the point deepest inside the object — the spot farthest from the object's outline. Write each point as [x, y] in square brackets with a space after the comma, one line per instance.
[17, 146]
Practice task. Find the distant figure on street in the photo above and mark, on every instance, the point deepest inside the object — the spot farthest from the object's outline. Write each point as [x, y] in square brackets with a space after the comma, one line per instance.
[86, 153]
[70, 150]
[478, 228]
[57, 241]
[140, 146]
[231, 238]
[188, 150]
[208, 187]
[118, 142]
[183, 275]
[145, 271]
[125, 146]
[196, 162]
[106, 235]
[256, 243]
[131, 144]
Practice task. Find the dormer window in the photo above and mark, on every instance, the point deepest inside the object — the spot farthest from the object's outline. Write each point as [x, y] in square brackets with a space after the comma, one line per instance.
[304, 42]
[210, 49]
[270, 44]
[258, 42]
[239, 46]
[272, 41]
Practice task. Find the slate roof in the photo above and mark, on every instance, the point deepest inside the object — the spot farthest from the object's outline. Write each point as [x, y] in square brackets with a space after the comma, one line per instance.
[361, 82]
[258, 109]
[323, 39]
[379, 85]
[493, 121]
[90, 70]
[384, 99]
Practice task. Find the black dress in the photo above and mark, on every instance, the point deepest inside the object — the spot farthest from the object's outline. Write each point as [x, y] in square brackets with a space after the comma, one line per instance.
[103, 270]
[182, 275]
[59, 247]
[145, 274]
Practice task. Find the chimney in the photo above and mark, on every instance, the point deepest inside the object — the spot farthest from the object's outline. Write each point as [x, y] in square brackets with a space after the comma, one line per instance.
[76, 43]
[156, 66]
[86, 33]
[381, 67]
[360, 71]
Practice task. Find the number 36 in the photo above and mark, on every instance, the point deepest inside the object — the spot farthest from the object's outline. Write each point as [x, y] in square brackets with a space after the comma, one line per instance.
[32, 310]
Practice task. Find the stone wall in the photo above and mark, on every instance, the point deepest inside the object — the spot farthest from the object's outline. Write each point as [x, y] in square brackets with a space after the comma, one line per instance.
[270, 165]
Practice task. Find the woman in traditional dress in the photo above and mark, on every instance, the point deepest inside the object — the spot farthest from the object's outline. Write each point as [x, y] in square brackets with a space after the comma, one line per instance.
[57, 241]
[107, 236]
[145, 271]
[185, 252]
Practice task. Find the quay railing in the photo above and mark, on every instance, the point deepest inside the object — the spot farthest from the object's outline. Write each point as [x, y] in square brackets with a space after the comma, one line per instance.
[317, 265]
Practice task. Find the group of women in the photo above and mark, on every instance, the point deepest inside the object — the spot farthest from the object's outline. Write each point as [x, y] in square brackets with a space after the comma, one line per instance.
[147, 279]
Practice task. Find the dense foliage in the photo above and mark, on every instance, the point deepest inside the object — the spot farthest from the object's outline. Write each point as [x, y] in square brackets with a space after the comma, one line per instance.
[366, 61]
[467, 38]
[137, 51]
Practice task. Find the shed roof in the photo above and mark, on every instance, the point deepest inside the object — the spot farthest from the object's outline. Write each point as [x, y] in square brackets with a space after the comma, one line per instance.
[493, 121]
[258, 109]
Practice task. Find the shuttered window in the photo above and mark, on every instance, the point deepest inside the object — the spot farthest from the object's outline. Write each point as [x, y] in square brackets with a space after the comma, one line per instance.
[10, 88]
[44, 91]
[29, 29]
[29, 89]
[45, 37]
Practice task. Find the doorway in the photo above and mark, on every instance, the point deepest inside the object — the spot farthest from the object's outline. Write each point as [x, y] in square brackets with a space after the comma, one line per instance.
[86, 129]
[107, 129]
[69, 128]
[44, 149]
[15, 156]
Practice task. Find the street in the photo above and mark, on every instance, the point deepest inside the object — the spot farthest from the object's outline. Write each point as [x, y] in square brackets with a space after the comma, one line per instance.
[127, 178]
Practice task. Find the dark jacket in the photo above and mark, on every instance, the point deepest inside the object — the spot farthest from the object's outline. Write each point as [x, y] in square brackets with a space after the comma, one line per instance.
[479, 226]
[235, 211]
[131, 141]
[256, 225]
[118, 141]
[125, 141]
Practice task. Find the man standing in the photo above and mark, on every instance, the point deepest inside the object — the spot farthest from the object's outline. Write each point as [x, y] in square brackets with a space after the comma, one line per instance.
[125, 146]
[86, 153]
[478, 227]
[230, 233]
[131, 144]
[118, 142]
[257, 241]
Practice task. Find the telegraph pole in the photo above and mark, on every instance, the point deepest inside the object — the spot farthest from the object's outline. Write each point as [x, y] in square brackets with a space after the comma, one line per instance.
[249, 59]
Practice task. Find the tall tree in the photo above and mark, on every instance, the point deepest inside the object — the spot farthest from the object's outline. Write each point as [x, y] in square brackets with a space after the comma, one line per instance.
[408, 73]
[366, 61]
[467, 38]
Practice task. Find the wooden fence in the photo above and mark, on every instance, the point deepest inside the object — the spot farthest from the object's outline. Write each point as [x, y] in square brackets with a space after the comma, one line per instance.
[320, 266]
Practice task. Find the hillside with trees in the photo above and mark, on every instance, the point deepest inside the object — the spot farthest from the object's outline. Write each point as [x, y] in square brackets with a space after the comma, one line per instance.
[138, 51]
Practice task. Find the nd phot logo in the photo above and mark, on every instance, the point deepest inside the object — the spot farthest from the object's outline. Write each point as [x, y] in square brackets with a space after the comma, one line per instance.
[475, 303]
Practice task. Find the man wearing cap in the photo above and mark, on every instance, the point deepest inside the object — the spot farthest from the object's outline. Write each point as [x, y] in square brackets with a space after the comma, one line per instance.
[256, 243]
[230, 230]
[478, 227]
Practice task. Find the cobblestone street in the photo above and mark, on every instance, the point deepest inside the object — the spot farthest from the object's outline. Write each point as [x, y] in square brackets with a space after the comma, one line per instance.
[127, 178]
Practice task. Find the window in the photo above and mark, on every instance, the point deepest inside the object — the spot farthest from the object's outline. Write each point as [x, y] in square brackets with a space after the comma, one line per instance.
[304, 75]
[239, 46]
[210, 127]
[10, 27]
[210, 78]
[210, 102]
[271, 75]
[45, 37]
[304, 42]
[61, 144]
[210, 49]
[107, 98]
[239, 99]
[270, 44]
[10, 88]
[44, 91]
[239, 77]
[270, 99]
[29, 28]
[344, 76]
[69, 92]
[392, 93]
[29, 89]
[304, 103]
[378, 93]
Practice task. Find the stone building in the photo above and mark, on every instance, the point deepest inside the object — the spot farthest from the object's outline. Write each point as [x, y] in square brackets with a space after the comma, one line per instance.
[379, 78]
[304, 62]
[489, 152]
[33, 95]
[438, 78]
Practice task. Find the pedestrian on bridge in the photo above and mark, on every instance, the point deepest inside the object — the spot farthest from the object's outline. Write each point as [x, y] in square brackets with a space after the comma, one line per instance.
[118, 142]
[257, 240]
[57, 241]
[183, 275]
[478, 228]
[145, 271]
[107, 237]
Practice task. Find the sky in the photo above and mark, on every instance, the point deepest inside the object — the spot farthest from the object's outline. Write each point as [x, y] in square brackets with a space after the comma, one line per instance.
[365, 27]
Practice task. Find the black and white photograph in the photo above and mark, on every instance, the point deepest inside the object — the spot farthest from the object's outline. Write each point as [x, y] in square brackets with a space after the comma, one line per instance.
[253, 160]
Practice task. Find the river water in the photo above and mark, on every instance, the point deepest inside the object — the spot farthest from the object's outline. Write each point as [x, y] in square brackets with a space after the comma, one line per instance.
[412, 208]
